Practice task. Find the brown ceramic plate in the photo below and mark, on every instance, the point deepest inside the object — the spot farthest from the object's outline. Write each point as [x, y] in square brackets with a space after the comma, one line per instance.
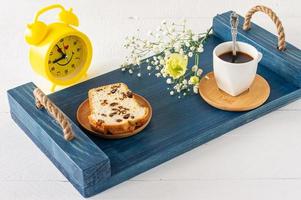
[83, 112]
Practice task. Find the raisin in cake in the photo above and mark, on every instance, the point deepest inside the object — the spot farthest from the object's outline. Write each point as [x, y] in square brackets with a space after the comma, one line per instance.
[115, 110]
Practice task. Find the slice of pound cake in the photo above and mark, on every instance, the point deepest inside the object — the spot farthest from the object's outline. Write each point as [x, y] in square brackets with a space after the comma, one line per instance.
[114, 109]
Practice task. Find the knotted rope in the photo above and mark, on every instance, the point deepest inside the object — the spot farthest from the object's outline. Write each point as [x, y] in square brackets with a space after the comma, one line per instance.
[273, 16]
[42, 101]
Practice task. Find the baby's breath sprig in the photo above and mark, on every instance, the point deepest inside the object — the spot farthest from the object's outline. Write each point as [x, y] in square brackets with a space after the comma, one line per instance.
[173, 44]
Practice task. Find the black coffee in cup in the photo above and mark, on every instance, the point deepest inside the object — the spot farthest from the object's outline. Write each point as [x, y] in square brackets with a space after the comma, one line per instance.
[240, 57]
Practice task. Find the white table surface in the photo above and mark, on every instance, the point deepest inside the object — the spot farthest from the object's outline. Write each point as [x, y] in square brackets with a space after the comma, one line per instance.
[260, 160]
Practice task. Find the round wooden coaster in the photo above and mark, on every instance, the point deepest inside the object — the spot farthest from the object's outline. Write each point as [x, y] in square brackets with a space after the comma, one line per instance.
[83, 112]
[254, 97]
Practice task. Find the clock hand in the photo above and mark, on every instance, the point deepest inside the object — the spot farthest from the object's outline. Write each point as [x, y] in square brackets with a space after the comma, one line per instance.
[68, 61]
[60, 50]
[60, 58]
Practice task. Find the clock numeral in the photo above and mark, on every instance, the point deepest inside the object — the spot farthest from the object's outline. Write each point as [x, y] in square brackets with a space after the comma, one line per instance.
[52, 68]
[78, 49]
[77, 58]
[75, 43]
[49, 61]
[73, 66]
[66, 71]
[51, 53]
[61, 40]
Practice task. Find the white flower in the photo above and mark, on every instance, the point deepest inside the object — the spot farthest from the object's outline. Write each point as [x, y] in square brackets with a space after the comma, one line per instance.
[190, 54]
[181, 51]
[137, 61]
[158, 75]
[168, 81]
[194, 68]
[163, 22]
[167, 53]
[163, 72]
[199, 72]
[139, 74]
[177, 86]
[200, 49]
[187, 44]
[162, 62]
[177, 46]
[184, 94]
[123, 69]
[147, 60]
[157, 67]
[195, 38]
[149, 67]
[171, 93]
[192, 48]
[195, 89]
[130, 71]
[184, 82]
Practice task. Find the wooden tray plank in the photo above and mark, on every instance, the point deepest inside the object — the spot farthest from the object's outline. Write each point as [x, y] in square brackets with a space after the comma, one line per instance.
[81, 161]
[286, 63]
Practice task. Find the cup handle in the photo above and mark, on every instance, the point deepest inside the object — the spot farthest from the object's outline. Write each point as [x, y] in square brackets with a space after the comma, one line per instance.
[259, 56]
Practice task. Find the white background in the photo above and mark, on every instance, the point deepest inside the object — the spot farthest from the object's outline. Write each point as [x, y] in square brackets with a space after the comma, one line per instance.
[260, 160]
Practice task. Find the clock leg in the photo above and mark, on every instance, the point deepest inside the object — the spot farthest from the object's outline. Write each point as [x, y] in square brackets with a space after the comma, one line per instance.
[52, 87]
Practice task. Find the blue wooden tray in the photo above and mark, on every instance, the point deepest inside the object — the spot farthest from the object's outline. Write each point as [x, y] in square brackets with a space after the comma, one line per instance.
[93, 164]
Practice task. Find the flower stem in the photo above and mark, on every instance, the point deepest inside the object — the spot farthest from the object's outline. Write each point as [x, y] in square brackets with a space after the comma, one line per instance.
[196, 59]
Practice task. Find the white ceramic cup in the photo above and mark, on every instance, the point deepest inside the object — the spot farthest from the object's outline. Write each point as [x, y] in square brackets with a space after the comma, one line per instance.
[235, 78]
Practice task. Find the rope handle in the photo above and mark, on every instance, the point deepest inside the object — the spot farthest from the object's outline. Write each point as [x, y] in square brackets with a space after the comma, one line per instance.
[42, 101]
[273, 16]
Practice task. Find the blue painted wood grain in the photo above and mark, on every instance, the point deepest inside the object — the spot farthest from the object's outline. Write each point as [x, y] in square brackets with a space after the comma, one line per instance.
[177, 126]
[80, 160]
[286, 64]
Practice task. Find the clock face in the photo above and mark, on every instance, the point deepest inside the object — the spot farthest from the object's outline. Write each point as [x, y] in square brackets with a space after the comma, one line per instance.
[66, 57]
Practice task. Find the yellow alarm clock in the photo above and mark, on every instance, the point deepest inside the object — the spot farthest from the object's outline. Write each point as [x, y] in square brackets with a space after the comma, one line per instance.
[58, 51]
